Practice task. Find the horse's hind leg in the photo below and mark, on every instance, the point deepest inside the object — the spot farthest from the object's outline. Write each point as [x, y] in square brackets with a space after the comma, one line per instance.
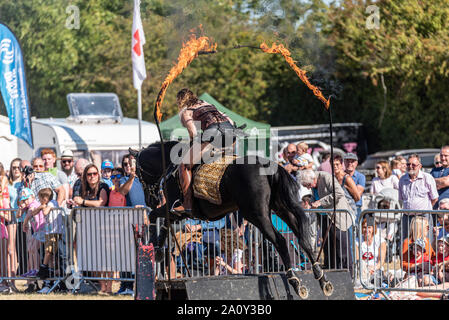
[271, 234]
[300, 228]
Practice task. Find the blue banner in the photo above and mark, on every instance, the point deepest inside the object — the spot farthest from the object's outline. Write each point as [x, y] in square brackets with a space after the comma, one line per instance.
[13, 85]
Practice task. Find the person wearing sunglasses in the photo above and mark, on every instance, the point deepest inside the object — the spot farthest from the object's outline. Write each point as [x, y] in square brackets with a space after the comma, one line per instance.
[94, 193]
[68, 167]
[417, 191]
[116, 199]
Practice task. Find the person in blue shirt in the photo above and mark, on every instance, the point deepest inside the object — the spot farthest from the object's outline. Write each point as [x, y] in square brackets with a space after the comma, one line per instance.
[441, 175]
[106, 171]
[132, 189]
[351, 161]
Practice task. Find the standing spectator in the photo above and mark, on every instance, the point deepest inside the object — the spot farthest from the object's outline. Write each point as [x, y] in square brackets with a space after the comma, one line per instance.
[351, 162]
[396, 168]
[131, 187]
[80, 165]
[437, 161]
[289, 155]
[15, 225]
[441, 174]
[67, 165]
[347, 183]
[403, 165]
[302, 150]
[94, 193]
[442, 224]
[321, 184]
[39, 179]
[417, 191]
[28, 203]
[106, 171]
[116, 199]
[326, 163]
[5, 218]
[49, 158]
[384, 178]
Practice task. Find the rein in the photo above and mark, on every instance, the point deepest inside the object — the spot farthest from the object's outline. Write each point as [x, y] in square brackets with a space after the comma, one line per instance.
[153, 189]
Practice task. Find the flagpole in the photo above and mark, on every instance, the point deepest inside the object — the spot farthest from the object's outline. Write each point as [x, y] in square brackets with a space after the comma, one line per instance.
[139, 115]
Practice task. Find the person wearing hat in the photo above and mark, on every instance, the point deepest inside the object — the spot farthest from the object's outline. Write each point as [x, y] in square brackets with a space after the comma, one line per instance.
[351, 162]
[372, 250]
[67, 165]
[106, 171]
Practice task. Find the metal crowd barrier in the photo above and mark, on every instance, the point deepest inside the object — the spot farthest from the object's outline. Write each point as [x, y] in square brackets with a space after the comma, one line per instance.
[225, 247]
[394, 260]
[84, 244]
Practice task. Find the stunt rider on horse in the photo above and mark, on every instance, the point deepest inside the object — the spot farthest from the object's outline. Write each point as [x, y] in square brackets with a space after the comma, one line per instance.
[218, 133]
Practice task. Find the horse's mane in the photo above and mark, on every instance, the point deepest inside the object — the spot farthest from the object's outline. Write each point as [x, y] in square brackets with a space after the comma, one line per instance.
[167, 144]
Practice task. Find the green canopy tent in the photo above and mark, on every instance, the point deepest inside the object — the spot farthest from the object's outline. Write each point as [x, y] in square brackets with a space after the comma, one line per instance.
[258, 142]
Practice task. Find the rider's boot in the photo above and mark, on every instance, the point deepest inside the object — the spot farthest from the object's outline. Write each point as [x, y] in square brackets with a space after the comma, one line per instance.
[185, 179]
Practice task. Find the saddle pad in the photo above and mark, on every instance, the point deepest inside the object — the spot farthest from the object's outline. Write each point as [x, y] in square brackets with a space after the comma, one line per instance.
[206, 184]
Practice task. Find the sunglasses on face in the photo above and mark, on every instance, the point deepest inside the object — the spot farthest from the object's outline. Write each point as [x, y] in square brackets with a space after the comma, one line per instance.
[125, 164]
[92, 174]
[118, 176]
[437, 162]
[16, 168]
[66, 161]
[412, 165]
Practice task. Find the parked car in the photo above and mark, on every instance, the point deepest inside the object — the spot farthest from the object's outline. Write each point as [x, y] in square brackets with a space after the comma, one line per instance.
[367, 167]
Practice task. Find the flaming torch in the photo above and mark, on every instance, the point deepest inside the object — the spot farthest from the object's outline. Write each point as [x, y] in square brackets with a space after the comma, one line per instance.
[301, 73]
[189, 51]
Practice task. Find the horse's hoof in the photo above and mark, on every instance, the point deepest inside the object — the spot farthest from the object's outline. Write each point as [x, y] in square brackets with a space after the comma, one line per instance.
[303, 292]
[328, 289]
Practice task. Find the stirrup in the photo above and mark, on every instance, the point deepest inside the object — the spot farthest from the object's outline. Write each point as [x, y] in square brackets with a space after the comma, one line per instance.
[180, 213]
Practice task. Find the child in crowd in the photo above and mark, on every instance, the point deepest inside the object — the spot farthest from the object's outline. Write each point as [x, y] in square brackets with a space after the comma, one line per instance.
[231, 260]
[420, 263]
[440, 263]
[28, 203]
[52, 233]
[116, 199]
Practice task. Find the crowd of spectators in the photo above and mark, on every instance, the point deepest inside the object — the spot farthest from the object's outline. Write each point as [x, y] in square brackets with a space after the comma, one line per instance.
[418, 237]
[32, 237]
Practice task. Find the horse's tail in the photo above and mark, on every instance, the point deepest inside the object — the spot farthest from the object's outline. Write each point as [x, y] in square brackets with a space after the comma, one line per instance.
[285, 195]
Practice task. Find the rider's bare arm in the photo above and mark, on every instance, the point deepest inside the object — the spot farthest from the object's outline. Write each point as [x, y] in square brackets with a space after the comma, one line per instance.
[187, 122]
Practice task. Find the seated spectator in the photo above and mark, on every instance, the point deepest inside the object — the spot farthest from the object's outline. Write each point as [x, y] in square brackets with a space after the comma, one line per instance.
[106, 171]
[416, 259]
[372, 250]
[441, 262]
[230, 261]
[116, 199]
[27, 204]
[93, 192]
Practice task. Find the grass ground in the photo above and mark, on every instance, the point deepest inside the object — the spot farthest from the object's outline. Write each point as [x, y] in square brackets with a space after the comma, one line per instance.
[21, 285]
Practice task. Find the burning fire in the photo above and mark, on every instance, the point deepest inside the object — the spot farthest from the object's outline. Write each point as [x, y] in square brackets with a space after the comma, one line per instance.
[301, 73]
[189, 51]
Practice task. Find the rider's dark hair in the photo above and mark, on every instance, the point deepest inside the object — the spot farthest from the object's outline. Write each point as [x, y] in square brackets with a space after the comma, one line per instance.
[186, 98]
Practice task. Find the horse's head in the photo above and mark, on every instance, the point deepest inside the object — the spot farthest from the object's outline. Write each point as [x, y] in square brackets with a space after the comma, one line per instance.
[149, 169]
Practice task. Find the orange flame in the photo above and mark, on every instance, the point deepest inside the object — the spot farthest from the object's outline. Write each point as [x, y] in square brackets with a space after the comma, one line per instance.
[189, 51]
[301, 73]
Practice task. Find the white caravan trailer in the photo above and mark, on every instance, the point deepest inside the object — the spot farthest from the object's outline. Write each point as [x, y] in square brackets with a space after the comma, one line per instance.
[95, 130]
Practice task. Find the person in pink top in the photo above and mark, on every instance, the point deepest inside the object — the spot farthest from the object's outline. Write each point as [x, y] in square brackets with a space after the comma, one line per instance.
[417, 191]
[28, 203]
[116, 199]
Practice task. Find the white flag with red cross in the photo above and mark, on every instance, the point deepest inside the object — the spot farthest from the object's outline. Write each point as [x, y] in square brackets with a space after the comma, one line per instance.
[138, 40]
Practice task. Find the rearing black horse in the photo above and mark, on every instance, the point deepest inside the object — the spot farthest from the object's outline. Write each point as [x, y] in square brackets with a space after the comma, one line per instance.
[248, 187]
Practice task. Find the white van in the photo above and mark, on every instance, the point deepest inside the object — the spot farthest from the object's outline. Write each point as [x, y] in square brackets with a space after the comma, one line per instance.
[95, 130]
